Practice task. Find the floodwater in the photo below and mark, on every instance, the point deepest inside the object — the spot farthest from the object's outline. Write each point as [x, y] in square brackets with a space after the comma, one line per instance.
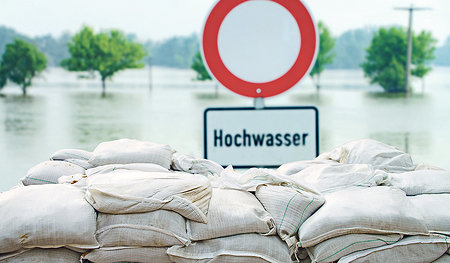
[63, 112]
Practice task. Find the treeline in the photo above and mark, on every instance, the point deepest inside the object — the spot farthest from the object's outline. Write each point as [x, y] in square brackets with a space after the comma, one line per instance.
[178, 52]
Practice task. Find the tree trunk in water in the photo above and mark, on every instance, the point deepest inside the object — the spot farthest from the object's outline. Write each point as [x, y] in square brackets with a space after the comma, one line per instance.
[24, 90]
[103, 87]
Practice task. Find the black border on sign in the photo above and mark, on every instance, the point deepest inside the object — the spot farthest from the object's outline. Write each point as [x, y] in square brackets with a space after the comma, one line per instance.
[205, 154]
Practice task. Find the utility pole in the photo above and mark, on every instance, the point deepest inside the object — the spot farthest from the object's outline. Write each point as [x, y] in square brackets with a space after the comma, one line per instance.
[150, 72]
[409, 49]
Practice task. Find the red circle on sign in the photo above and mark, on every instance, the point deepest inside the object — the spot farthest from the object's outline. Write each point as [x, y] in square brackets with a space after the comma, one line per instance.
[308, 47]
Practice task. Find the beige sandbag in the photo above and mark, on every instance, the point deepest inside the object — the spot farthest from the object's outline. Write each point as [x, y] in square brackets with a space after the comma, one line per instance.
[232, 212]
[443, 259]
[130, 167]
[328, 178]
[435, 209]
[77, 180]
[193, 165]
[38, 255]
[252, 248]
[295, 167]
[125, 151]
[365, 210]
[289, 205]
[75, 156]
[46, 216]
[422, 182]
[128, 192]
[48, 172]
[413, 249]
[333, 249]
[151, 229]
[381, 156]
[128, 254]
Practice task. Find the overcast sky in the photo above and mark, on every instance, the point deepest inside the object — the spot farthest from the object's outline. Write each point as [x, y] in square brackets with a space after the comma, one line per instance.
[161, 19]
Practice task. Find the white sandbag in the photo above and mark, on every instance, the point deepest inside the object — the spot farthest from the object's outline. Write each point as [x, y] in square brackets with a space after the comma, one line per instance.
[128, 254]
[333, 249]
[232, 212]
[152, 229]
[75, 156]
[193, 165]
[413, 249]
[295, 167]
[381, 156]
[131, 167]
[328, 178]
[125, 151]
[289, 205]
[258, 176]
[251, 248]
[435, 209]
[425, 166]
[78, 180]
[124, 193]
[48, 172]
[421, 182]
[443, 259]
[38, 255]
[367, 210]
[46, 216]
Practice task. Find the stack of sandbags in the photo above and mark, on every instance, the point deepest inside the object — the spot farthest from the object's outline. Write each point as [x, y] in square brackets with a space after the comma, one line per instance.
[238, 229]
[45, 216]
[142, 206]
[369, 215]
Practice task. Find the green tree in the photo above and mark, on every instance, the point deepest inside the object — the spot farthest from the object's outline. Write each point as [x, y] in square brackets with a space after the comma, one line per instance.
[106, 53]
[202, 74]
[199, 67]
[325, 55]
[385, 61]
[20, 63]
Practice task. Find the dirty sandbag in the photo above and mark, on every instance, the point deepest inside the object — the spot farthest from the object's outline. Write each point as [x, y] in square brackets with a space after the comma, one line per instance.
[77, 180]
[52, 215]
[295, 167]
[328, 178]
[381, 156]
[128, 254]
[289, 205]
[363, 210]
[411, 249]
[421, 182]
[151, 229]
[131, 167]
[434, 208]
[258, 176]
[126, 151]
[190, 164]
[75, 156]
[238, 248]
[48, 172]
[40, 255]
[333, 249]
[128, 192]
[232, 212]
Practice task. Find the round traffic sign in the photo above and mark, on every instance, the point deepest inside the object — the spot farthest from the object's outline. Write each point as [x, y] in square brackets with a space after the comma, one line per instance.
[280, 77]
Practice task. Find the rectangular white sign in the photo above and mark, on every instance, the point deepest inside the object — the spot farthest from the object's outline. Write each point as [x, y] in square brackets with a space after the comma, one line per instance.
[269, 137]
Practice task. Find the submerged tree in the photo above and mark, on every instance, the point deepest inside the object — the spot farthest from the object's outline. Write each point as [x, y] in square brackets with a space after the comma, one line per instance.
[385, 61]
[325, 55]
[202, 73]
[106, 53]
[20, 63]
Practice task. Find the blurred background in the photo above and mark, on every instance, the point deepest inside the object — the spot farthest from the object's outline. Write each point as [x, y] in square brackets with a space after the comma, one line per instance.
[64, 96]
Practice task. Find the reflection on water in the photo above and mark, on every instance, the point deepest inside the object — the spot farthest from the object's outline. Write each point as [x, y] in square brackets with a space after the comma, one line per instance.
[62, 113]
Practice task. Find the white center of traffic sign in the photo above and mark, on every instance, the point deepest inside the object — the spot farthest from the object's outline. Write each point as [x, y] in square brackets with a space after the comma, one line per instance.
[254, 28]
[259, 61]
